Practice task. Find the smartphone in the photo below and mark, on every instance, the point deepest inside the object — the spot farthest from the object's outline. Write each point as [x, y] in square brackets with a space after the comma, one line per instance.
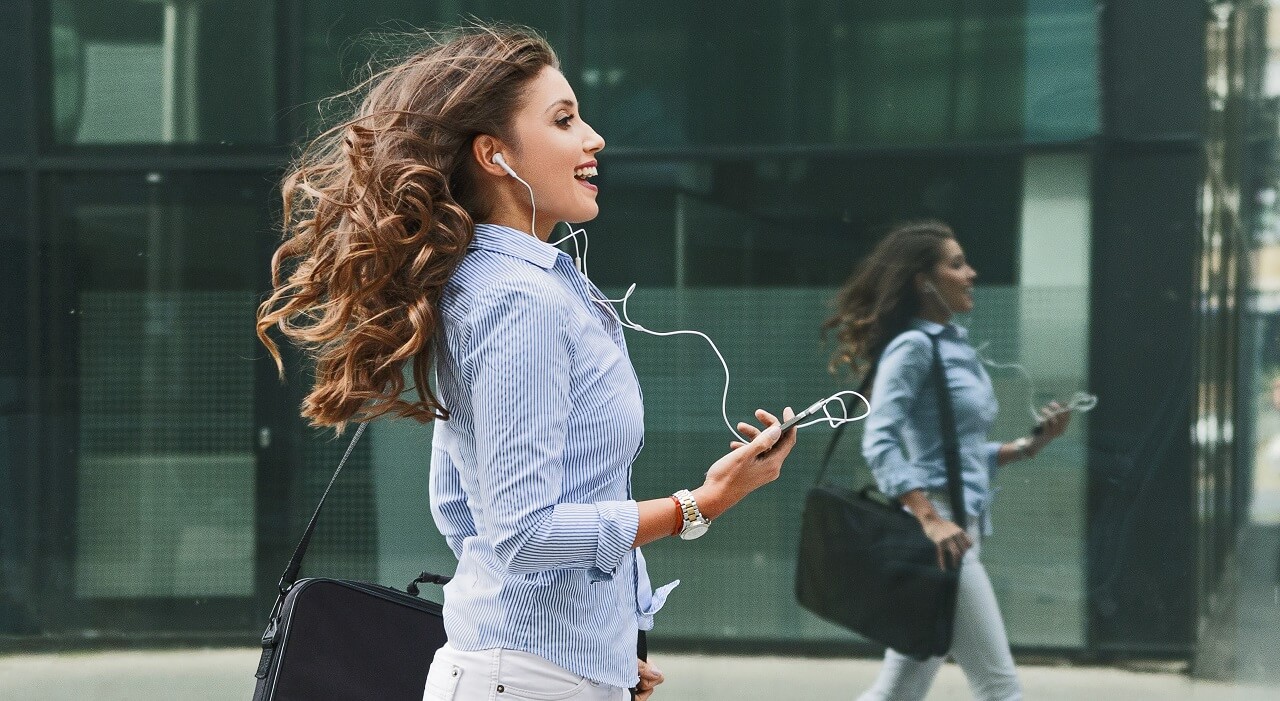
[813, 409]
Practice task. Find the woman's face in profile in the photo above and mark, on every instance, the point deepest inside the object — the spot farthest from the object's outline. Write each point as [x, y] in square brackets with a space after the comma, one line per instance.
[554, 150]
[953, 276]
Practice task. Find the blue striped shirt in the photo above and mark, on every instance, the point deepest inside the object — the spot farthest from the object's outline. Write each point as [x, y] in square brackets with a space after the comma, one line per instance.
[531, 475]
[903, 438]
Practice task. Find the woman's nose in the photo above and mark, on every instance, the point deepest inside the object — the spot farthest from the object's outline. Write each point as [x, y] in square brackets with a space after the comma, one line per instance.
[594, 142]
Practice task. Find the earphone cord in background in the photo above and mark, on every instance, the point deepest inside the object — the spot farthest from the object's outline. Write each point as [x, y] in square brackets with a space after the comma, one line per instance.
[1079, 401]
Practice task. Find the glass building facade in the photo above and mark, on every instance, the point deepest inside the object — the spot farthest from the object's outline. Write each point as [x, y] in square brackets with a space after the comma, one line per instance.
[1110, 170]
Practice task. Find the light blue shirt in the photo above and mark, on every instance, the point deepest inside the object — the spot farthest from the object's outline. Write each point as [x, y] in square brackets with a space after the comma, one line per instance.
[531, 475]
[903, 438]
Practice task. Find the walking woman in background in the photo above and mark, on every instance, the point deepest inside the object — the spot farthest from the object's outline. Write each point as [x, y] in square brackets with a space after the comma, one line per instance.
[416, 235]
[907, 290]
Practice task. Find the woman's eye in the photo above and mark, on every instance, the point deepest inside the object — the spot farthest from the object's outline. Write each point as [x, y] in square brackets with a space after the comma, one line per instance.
[563, 122]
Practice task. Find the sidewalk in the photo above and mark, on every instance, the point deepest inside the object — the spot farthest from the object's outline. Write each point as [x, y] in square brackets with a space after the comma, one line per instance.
[227, 675]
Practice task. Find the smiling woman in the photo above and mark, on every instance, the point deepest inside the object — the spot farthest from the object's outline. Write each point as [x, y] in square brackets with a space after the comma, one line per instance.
[406, 244]
[896, 316]
[554, 147]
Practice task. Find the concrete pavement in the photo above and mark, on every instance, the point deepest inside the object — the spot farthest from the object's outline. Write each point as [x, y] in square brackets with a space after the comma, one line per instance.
[227, 675]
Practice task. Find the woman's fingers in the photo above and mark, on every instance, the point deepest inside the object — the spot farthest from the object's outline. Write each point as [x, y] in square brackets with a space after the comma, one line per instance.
[766, 418]
[650, 677]
[764, 440]
[747, 430]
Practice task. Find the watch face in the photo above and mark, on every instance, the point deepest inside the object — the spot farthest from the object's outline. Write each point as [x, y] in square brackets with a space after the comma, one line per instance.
[693, 530]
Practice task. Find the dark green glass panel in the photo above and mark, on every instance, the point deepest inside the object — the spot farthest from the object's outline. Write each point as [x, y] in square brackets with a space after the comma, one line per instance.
[17, 415]
[143, 72]
[670, 74]
[339, 38]
[15, 79]
[797, 222]
[152, 280]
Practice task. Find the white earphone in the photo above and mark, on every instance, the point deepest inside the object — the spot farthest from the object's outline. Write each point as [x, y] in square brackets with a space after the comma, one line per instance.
[501, 162]
[498, 160]
[930, 287]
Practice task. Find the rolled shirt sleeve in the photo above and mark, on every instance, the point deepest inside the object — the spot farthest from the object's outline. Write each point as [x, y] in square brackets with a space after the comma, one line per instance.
[519, 360]
[904, 368]
[993, 455]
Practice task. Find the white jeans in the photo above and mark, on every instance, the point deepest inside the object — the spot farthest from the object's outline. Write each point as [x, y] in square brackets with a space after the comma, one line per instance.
[979, 644]
[508, 675]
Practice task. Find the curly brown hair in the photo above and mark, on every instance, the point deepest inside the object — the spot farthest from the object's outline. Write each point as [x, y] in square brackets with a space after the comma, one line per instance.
[378, 212]
[879, 300]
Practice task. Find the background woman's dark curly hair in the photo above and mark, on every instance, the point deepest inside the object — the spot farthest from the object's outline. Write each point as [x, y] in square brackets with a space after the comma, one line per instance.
[378, 212]
[880, 298]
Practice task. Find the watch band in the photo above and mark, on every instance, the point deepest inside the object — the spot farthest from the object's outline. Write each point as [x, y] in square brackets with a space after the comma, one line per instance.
[1022, 447]
[694, 524]
[679, 516]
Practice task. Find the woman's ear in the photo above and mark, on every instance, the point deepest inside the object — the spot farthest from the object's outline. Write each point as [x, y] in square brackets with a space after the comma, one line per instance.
[483, 149]
[923, 283]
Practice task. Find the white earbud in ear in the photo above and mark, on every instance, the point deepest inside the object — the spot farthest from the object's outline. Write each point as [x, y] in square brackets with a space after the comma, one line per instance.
[498, 160]
[501, 162]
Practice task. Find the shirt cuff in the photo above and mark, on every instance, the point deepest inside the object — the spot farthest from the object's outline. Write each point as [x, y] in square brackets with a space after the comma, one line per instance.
[900, 484]
[619, 521]
[648, 600]
[993, 455]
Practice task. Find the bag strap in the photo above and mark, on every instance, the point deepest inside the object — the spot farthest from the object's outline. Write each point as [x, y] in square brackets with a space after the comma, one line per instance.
[950, 445]
[863, 388]
[295, 563]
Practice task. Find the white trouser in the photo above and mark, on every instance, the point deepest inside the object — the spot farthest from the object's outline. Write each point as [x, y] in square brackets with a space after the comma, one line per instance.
[508, 675]
[979, 643]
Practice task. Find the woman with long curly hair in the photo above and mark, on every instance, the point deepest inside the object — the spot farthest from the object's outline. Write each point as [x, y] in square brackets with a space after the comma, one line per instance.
[416, 234]
[905, 292]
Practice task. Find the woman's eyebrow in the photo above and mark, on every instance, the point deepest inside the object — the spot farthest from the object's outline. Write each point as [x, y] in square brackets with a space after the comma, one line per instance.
[564, 101]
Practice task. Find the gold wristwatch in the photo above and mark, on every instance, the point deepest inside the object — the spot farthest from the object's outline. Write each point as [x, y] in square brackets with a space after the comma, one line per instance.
[695, 524]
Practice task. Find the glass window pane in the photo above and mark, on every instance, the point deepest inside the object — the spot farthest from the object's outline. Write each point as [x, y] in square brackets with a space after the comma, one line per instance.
[337, 36]
[768, 242]
[157, 278]
[792, 222]
[163, 72]
[839, 72]
[17, 417]
[15, 78]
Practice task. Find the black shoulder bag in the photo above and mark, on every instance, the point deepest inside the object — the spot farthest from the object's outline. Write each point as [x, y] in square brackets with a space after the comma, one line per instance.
[864, 562]
[341, 640]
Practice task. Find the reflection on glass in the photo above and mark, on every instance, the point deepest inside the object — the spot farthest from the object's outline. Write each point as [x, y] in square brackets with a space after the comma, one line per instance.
[163, 71]
[339, 38]
[162, 307]
[16, 412]
[14, 79]
[879, 72]
[792, 221]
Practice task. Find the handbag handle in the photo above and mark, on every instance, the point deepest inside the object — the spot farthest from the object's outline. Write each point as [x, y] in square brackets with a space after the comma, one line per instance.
[950, 445]
[295, 563]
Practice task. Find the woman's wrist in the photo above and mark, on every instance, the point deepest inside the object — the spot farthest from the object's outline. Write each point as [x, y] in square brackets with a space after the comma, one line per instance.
[713, 500]
[1023, 448]
[1026, 448]
[919, 505]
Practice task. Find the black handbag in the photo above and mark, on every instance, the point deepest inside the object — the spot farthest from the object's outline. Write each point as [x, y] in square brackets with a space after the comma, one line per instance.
[865, 563]
[341, 640]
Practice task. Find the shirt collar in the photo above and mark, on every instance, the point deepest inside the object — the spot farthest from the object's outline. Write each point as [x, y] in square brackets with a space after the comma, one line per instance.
[516, 243]
[933, 328]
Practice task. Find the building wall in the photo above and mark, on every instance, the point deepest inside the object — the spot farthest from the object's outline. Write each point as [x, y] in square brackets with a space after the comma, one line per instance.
[155, 473]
